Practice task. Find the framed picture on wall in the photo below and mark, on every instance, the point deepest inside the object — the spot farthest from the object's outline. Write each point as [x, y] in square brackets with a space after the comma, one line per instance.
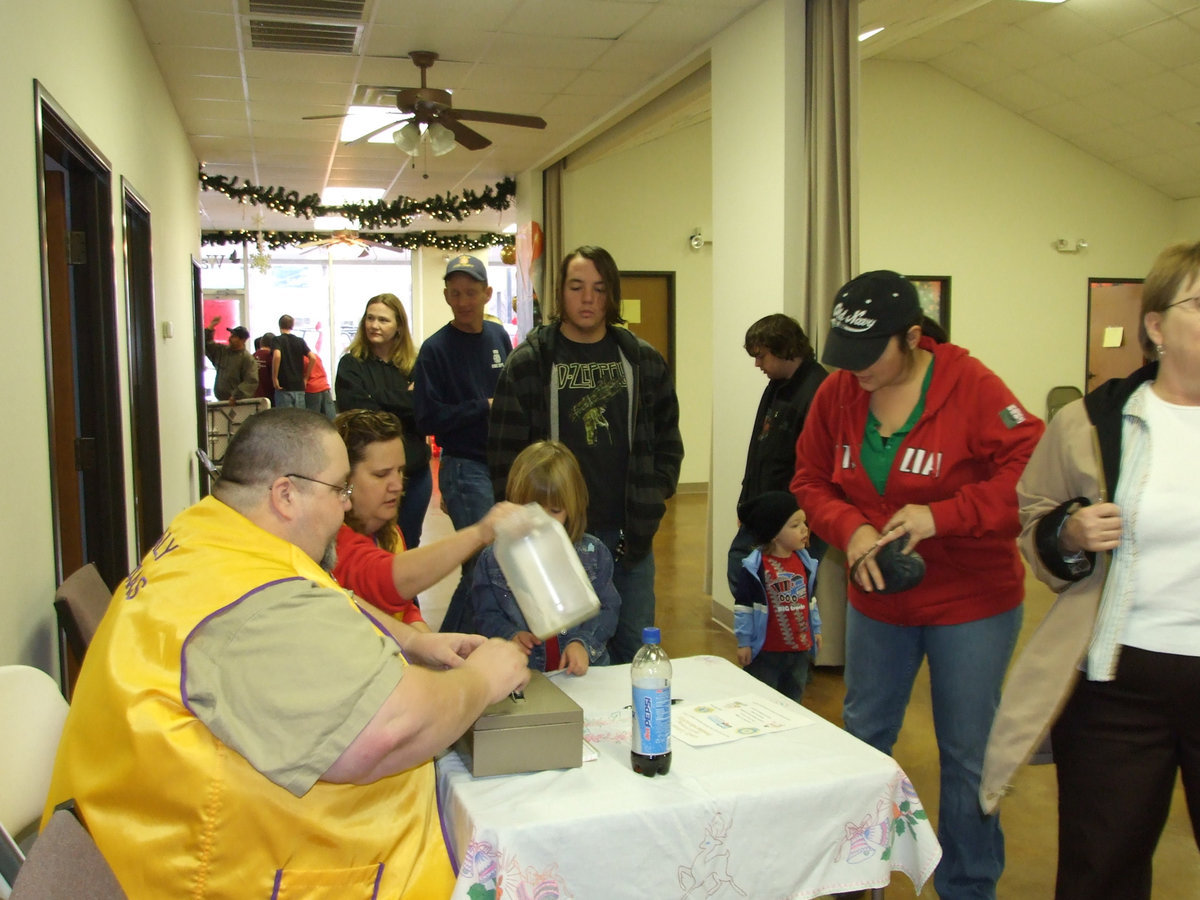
[934, 291]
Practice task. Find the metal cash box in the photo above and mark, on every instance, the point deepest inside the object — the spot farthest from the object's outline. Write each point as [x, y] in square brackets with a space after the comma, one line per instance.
[544, 730]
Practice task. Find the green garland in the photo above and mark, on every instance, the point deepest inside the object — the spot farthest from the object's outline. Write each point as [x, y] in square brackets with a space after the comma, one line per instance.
[404, 240]
[400, 212]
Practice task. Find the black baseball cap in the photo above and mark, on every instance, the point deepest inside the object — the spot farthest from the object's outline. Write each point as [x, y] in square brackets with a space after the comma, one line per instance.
[867, 311]
[241, 331]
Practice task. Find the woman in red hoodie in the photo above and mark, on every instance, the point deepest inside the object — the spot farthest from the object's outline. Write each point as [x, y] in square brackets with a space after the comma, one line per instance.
[917, 443]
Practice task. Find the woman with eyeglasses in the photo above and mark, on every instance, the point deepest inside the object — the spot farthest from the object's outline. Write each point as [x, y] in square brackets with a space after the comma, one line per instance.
[371, 557]
[913, 449]
[1108, 511]
[376, 373]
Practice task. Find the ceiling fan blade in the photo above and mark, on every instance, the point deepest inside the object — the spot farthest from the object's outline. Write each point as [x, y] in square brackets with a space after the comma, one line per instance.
[313, 118]
[467, 137]
[499, 118]
[370, 134]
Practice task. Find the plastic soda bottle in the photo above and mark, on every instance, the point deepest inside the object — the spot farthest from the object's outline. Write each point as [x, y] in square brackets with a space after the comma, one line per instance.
[651, 675]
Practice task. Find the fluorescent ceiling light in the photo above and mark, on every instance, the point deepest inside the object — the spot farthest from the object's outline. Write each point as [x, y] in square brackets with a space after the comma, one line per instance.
[336, 196]
[362, 120]
[870, 34]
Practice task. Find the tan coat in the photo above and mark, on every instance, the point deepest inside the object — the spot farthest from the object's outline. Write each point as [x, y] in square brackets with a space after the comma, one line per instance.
[1065, 465]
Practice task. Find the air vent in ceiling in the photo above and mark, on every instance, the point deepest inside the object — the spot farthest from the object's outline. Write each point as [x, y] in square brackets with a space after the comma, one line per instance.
[306, 37]
[351, 10]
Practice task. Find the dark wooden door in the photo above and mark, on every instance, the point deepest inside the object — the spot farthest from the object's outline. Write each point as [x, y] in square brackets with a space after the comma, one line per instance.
[82, 368]
[1114, 313]
[648, 307]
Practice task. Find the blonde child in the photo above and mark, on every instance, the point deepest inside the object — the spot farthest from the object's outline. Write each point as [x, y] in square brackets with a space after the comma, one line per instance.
[548, 473]
[775, 615]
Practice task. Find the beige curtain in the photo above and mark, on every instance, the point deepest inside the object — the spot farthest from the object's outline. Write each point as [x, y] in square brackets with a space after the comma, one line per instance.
[831, 126]
[552, 217]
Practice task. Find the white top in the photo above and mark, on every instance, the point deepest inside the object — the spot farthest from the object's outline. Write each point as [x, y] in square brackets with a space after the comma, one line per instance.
[1165, 613]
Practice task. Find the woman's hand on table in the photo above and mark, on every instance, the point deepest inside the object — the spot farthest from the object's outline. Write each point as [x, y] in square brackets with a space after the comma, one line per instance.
[1092, 528]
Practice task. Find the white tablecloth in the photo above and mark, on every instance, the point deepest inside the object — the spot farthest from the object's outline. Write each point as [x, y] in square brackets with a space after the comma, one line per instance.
[797, 814]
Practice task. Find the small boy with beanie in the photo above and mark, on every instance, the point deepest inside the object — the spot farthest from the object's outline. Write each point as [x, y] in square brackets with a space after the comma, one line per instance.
[775, 616]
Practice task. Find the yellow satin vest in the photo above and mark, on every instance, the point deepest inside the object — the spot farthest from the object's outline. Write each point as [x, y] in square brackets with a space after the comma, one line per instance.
[178, 814]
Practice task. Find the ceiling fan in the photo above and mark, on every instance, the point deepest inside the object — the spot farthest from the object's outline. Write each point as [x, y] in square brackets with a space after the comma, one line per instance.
[349, 239]
[430, 107]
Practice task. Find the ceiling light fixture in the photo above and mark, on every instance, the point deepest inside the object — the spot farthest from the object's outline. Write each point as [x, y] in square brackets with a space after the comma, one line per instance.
[408, 138]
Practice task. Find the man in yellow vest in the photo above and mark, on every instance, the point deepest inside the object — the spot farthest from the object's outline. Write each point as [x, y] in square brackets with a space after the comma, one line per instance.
[241, 727]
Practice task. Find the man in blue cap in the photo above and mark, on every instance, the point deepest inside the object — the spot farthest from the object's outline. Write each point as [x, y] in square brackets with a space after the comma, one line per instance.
[455, 377]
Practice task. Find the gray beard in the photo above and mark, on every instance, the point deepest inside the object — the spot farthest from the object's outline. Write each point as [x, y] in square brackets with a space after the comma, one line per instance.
[329, 559]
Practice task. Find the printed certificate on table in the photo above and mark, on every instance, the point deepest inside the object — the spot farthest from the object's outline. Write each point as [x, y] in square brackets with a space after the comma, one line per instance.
[732, 719]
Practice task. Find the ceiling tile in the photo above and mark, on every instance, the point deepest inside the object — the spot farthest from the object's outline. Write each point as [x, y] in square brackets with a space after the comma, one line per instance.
[1117, 61]
[1176, 6]
[1111, 143]
[303, 68]
[604, 19]
[972, 66]
[1017, 48]
[1115, 105]
[1170, 133]
[517, 79]
[649, 58]
[1167, 91]
[615, 84]
[180, 26]
[530, 52]
[1063, 28]
[267, 90]
[208, 87]
[682, 23]
[1020, 93]
[1118, 17]
[1170, 42]
[1069, 78]
[920, 49]
[444, 16]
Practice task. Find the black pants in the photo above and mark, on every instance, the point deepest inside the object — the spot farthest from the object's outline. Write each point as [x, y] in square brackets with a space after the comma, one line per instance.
[1118, 746]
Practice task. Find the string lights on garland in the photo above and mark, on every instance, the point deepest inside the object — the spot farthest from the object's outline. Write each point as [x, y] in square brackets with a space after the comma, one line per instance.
[401, 212]
[405, 240]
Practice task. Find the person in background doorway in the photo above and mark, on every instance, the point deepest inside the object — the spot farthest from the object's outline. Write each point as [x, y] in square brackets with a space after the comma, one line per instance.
[456, 375]
[1108, 514]
[608, 395]
[916, 442]
[264, 349]
[782, 351]
[236, 376]
[375, 372]
[291, 363]
[317, 395]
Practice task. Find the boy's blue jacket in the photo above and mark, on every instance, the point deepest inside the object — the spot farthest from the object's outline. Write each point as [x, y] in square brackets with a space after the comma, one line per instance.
[750, 602]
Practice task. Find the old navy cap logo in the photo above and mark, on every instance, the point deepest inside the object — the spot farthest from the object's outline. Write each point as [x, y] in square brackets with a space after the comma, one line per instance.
[856, 321]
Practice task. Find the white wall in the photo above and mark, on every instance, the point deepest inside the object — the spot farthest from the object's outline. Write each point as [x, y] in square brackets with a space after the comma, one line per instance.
[953, 184]
[641, 204]
[92, 59]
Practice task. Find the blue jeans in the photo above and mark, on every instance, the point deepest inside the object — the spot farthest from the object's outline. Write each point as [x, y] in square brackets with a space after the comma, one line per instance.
[413, 506]
[966, 667]
[635, 583]
[466, 490]
[322, 402]
[289, 398]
